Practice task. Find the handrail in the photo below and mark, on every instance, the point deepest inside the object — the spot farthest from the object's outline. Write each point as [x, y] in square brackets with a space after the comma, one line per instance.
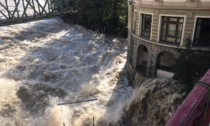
[17, 11]
[192, 111]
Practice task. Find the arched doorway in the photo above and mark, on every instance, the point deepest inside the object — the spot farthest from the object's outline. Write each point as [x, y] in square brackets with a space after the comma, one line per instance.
[165, 62]
[141, 60]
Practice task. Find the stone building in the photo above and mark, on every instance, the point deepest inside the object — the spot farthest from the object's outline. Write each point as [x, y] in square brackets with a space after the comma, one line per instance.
[158, 28]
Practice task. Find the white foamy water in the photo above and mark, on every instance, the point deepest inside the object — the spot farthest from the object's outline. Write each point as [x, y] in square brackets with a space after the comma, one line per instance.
[48, 62]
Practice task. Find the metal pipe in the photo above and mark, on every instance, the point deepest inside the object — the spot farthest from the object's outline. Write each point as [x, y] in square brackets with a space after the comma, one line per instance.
[67, 103]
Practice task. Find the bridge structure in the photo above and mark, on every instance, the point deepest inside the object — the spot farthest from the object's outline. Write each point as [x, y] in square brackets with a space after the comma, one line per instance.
[20, 11]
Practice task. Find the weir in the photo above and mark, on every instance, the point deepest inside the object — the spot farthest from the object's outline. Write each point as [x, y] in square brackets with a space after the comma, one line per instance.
[20, 11]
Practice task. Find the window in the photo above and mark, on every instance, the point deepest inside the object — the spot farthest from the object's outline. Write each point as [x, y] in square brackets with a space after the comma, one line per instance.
[171, 29]
[146, 25]
[202, 32]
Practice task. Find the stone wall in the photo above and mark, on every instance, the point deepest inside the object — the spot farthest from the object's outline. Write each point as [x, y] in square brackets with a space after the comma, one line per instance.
[153, 51]
[152, 45]
[189, 16]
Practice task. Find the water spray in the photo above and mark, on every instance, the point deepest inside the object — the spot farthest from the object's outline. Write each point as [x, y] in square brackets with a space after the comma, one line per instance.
[74, 102]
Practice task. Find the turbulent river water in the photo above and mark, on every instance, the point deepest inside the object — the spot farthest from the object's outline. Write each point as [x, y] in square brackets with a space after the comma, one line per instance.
[48, 62]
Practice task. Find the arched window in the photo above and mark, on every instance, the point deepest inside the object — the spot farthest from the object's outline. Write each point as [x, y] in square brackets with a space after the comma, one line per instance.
[165, 61]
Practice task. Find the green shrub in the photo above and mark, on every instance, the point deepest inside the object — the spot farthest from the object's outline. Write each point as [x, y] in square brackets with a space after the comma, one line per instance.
[190, 66]
[107, 16]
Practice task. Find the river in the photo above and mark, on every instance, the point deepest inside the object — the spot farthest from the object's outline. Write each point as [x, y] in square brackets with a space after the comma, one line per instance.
[47, 62]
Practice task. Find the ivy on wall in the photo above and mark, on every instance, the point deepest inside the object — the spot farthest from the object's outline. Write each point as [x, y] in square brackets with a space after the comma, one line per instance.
[191, 65]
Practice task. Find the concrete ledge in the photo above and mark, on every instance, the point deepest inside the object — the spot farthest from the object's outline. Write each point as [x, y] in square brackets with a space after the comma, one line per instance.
[164, 74]
[172, 46]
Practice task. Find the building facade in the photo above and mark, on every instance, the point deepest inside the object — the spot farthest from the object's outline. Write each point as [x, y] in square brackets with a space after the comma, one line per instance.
[157, 29]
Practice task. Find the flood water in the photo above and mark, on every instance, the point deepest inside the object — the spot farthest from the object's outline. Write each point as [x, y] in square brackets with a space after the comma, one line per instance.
[48, 62]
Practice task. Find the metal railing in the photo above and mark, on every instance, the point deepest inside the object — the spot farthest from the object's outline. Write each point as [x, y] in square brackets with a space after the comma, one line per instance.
[195, 109]
[17, 11]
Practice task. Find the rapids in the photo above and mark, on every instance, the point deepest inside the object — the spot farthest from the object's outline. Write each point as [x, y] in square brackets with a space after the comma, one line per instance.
[153, 103]
[47, 62]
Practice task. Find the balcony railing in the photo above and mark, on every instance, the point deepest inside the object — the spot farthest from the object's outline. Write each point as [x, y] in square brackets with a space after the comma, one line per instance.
[195, 110]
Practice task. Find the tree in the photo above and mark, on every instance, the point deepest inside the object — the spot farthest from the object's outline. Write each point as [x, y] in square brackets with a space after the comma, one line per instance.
[107, 16]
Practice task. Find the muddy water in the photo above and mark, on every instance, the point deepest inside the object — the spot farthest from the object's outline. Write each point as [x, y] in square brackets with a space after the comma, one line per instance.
[48, 62]
[153, 103]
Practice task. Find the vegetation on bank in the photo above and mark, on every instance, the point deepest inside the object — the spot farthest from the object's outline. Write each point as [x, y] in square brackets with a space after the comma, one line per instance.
[106, 16]
[190, 66]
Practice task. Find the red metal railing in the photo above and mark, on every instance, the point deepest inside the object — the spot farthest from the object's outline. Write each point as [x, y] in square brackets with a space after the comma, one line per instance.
[195, 110]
